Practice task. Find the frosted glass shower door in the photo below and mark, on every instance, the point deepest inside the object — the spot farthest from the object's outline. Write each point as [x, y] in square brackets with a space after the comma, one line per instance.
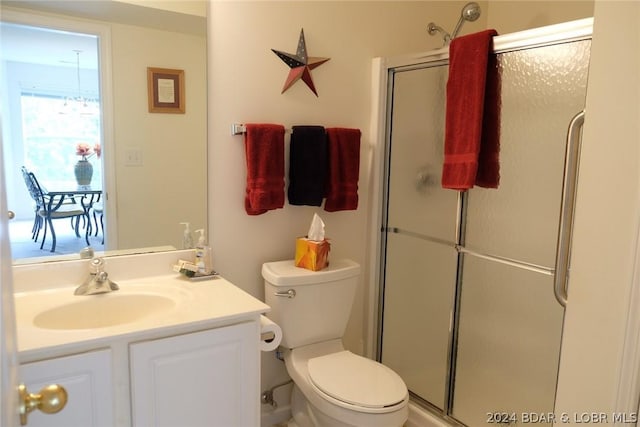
[510, 324]
[469, 318]
[421, 223]
[542, 90]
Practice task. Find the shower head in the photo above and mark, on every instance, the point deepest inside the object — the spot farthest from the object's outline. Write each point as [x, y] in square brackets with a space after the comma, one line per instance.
[470, 12]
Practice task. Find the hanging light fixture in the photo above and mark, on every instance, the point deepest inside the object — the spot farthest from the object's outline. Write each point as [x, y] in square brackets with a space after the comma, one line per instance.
[79, 104]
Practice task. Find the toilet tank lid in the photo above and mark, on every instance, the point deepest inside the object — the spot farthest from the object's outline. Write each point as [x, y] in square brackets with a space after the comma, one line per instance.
[285, 273]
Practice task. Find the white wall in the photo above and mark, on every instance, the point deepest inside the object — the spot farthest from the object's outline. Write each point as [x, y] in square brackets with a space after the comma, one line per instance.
[606, 221]
[191, 7]
[246, 78]
[518, 15]
[170, 186]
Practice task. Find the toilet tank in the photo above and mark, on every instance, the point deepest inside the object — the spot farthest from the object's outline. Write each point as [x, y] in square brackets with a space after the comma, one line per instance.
[320, 309]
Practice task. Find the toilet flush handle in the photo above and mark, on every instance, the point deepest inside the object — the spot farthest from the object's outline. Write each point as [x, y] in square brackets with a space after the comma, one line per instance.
[291, 293]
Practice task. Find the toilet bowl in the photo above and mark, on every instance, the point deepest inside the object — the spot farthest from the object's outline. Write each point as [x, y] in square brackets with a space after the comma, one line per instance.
[333, 387]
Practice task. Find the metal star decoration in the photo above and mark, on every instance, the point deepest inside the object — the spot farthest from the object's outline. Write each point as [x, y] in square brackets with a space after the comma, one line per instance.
[300, 64]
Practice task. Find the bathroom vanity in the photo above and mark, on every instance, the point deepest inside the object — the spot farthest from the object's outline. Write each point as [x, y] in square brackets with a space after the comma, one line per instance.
[161, 351]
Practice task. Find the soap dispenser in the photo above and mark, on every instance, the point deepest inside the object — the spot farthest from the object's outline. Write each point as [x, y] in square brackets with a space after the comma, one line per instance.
[203, 254]
[187, 238]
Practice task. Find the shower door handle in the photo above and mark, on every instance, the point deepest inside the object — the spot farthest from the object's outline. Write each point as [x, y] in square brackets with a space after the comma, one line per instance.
[565, 228]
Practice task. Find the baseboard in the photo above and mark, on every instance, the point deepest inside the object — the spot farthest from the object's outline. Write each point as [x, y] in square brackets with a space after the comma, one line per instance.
[277, 416]
[419, 417]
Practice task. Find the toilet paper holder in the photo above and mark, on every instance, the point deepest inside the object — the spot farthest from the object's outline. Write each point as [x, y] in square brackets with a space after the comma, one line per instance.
[270, 334]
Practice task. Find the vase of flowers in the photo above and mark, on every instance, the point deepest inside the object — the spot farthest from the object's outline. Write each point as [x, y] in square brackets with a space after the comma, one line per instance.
[83, 170]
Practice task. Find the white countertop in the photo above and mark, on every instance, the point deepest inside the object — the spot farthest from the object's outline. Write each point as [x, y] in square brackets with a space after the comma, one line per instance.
[199, 305]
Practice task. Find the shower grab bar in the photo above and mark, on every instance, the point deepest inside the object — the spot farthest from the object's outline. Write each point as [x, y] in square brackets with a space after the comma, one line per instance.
[565, 228]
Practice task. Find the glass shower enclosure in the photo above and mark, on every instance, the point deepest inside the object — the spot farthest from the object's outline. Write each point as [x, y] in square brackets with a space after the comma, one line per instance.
[468, 313]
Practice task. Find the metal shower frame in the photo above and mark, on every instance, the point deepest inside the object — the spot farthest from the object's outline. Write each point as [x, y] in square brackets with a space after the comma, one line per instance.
[383, 71]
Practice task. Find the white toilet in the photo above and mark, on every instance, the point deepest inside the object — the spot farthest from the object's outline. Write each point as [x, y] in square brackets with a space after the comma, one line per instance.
[332, 386]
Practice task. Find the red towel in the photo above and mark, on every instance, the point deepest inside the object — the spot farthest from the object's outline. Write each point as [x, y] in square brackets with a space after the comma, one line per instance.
[472, 130]
[264, 146]
[344, 169]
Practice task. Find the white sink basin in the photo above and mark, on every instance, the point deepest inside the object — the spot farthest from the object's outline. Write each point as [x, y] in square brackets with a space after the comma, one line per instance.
[135, 303]
[104, 310]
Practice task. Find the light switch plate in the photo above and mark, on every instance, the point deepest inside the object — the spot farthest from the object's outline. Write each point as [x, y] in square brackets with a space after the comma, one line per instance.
[133, 157]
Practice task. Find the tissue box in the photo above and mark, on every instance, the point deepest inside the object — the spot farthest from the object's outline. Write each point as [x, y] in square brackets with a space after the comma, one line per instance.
[311, 254]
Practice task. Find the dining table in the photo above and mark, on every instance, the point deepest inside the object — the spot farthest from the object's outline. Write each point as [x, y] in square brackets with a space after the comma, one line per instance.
[59, 192]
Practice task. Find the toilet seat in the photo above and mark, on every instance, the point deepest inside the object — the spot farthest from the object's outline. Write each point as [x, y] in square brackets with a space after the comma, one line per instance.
[356, 380]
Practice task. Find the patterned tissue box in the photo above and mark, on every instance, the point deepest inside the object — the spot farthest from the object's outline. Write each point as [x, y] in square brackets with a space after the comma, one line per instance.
[311, 254]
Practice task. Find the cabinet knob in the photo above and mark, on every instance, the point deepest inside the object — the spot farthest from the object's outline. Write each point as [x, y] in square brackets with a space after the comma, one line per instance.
[50, 399]
[11, 214]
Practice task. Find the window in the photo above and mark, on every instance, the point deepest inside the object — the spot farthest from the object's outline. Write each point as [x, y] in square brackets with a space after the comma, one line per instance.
[52, 126]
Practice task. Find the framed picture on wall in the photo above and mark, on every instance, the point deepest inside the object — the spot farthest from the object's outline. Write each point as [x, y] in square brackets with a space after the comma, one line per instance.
[165, 90]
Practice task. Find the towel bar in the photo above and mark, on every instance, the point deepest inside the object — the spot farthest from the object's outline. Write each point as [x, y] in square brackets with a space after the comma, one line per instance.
[240, 129]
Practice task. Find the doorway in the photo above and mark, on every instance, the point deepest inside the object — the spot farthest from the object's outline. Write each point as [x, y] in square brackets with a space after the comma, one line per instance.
[53, 119]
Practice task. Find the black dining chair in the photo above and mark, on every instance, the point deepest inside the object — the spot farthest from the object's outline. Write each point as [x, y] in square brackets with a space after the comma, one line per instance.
[98, 215]
[48, 210]
[37, 220]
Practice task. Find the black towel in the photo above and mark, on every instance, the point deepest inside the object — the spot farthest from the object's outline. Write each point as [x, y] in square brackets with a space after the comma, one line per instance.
[307, 165]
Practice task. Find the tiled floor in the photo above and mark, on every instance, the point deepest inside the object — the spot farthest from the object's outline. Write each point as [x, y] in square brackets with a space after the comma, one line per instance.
[66, 241]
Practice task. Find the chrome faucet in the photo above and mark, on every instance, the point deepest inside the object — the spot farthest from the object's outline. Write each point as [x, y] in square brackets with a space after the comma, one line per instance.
[86, 253]
[98, 281]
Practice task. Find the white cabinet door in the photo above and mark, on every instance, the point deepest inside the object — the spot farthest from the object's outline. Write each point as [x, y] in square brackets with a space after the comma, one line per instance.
[202, 379]
[87, 379]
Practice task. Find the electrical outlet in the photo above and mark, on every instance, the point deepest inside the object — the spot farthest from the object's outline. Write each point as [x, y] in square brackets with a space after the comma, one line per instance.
[133, 157]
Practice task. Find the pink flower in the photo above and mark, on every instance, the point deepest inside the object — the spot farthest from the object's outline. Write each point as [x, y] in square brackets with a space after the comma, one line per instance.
[84, 150]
